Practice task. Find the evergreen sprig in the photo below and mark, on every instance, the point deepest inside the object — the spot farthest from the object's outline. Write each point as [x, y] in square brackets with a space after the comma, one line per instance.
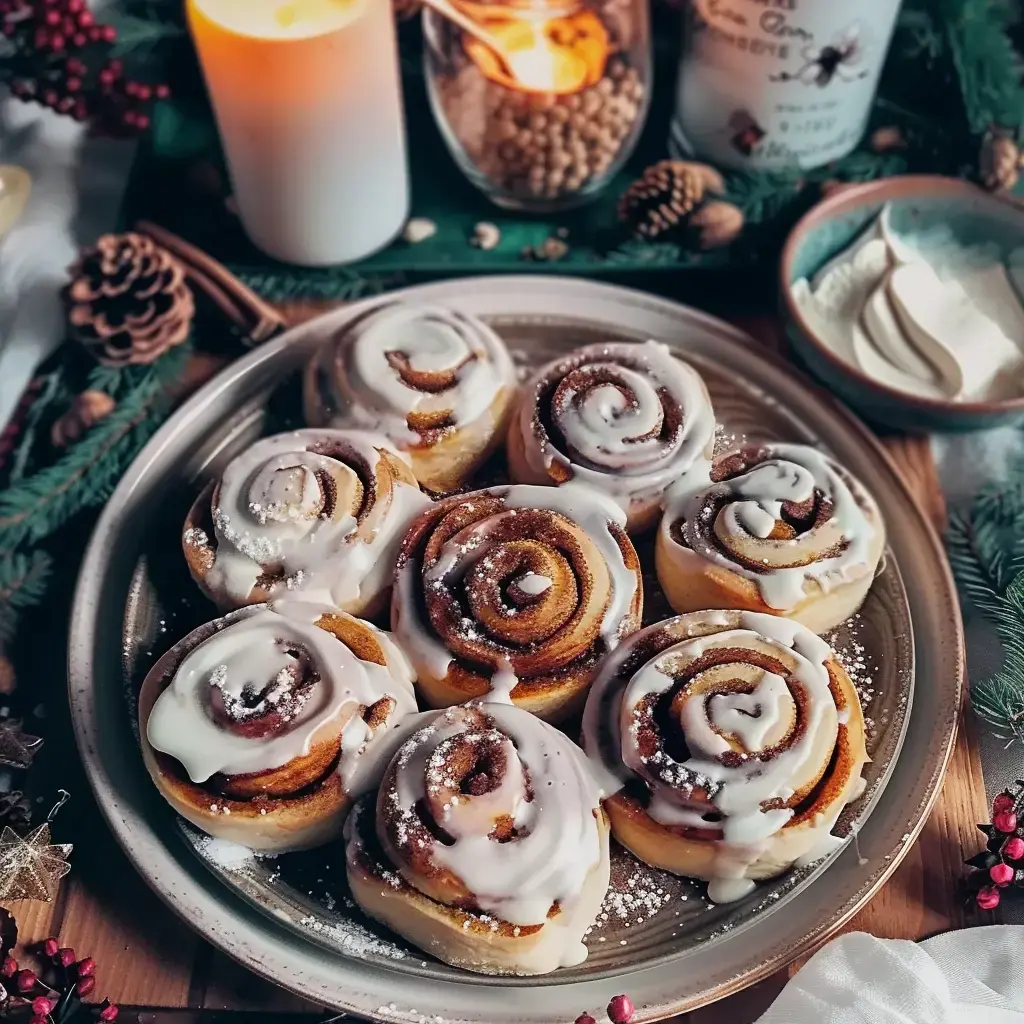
[23, 579]
[986, 551]
[37, 505]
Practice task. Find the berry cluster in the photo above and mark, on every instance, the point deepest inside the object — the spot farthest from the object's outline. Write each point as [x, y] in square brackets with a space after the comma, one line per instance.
[1001, 863]
[60, 56]
[620, 1011]
[55, 995]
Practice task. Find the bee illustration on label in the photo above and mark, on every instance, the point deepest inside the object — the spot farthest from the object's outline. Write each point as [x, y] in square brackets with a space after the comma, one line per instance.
[746, 132]
[838, 59]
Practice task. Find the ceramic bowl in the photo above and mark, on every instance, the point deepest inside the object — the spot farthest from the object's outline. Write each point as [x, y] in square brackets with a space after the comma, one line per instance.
[917, 202]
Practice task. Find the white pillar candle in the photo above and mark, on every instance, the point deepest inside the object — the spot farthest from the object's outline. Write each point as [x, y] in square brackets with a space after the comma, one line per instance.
[308, 101]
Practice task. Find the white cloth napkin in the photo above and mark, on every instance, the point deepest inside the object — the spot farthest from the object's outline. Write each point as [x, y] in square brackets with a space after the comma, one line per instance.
[975, 976]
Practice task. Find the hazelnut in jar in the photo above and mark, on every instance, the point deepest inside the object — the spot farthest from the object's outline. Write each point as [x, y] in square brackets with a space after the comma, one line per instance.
[544, 123]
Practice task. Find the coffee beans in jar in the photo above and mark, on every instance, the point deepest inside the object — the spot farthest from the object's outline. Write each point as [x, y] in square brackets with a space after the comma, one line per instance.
[546, 124]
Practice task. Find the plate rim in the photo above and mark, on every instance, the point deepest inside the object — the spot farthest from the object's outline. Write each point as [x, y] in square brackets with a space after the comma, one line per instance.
[87, 592]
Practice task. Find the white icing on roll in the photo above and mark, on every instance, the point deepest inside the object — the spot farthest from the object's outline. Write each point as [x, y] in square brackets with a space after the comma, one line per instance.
[627, 419]
[738, 515]
[273, 511]
[558, 842]
[747, 753]
[249, 667]
[588, 509]
[387, 350]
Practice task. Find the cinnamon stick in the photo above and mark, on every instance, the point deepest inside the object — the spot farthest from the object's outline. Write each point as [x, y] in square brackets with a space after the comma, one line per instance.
[256, 320]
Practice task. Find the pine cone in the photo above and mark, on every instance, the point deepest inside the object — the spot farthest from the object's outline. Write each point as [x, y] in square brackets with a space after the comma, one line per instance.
[405, 9]
[87, 409]
[662, 197]
[999, 162]
[128, 301]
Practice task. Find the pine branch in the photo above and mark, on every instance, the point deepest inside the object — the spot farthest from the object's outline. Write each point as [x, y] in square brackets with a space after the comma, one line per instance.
[86, 475]
[987, 64]
[139, 35]
[23, 579]
[336, 283]
[999, 700]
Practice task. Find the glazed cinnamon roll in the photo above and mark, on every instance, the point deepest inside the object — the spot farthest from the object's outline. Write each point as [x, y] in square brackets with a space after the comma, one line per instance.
[313, 511]
[486, 846]
[262, 726]
[730, 742]
[626, 419]
[520, 588]
[437, 382]
[781, 528]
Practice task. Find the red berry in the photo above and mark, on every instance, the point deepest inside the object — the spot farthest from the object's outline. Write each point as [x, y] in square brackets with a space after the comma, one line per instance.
[108, 1013]
[86, 18]
[96, 33]
[585, 1018]
[161, 91]
[1001, 874]
[1005, 821]
[66, 105]
[85, 986]
[74, 6]
[67, 956]
[9, 967]
[144, 93]
[988, 897]
[41, 39]
[620, 1010]
[81, 111]
[108, 34]
[50, 946]
[42, 1005]
[53, 18]
[106, 77]
[1013, 848]
[141, 122]
[86, 967]
[116, 66]
[50, 98]
[56, 42]
[76, 67]
[79, 39]
[25, 980]
[129, 117]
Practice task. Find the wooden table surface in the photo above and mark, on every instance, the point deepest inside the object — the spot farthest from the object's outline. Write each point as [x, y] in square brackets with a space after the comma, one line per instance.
[147, 957]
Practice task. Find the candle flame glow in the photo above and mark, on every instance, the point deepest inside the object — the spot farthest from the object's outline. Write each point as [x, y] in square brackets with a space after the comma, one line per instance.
[560, 56]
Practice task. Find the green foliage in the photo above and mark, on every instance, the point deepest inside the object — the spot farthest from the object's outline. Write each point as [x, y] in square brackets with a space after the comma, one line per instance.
[139, 35]
[23, 578]
[986, 551]
[988, 66]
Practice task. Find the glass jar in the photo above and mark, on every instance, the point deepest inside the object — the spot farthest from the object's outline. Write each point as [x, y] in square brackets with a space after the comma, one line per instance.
[544, 124]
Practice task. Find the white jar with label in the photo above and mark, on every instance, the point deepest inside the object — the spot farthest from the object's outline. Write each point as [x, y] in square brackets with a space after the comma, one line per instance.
[778, 84]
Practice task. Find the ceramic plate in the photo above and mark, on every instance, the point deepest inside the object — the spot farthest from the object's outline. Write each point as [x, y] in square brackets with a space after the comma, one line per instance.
[290, 918]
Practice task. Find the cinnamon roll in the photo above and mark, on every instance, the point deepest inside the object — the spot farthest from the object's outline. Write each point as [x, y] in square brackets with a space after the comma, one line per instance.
[515, 588]
[626, 419]
[781, 529]
[730, 742]
[437, 382]
[260, 727]
[487, 846]
[314, 511]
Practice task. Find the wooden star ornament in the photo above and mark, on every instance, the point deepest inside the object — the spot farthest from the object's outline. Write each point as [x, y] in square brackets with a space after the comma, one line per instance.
[30, 866]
